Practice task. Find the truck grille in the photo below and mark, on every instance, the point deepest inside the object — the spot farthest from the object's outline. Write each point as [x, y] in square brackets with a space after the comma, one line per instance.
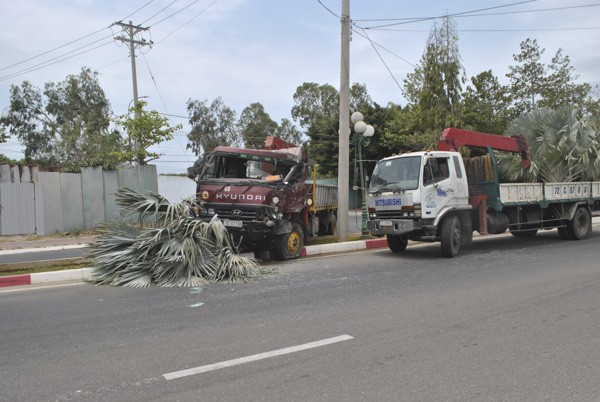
[392, 214]
[236, 213]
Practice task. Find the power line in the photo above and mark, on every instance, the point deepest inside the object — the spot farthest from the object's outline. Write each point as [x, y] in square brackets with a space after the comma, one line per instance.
[71, 42]
[167, 6]
[326, 8]
[382, 60]
[46, 64]
[175, 13]
[490, 30]
[161, 98]
[185, 23]
[413, 19]
[464, 14]
[375, 43]
[124, 18]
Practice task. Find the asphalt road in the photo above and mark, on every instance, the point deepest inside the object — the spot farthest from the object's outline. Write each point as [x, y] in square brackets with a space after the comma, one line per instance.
[509, 319]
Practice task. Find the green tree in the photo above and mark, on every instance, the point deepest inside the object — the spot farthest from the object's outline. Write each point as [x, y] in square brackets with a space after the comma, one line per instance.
[288, 132]
[535, 84]
[564, 146]
[212, 126]
[486, 106]
[560, 87]
[255, 125]
[434, 88]
[317, 110]
[144, 129]
[67, 123]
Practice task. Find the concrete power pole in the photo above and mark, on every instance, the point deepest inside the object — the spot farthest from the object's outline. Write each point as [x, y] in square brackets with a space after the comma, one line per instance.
[131, 30]
[344, 130]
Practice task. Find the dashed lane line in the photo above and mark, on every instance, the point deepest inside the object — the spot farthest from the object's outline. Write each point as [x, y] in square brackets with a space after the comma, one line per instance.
[261, 356]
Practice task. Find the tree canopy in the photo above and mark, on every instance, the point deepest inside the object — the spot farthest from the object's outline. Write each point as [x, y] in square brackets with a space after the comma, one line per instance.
[144, 129]
[66, 123]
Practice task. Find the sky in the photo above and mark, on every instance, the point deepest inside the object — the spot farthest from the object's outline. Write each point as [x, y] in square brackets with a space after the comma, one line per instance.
[260, 51]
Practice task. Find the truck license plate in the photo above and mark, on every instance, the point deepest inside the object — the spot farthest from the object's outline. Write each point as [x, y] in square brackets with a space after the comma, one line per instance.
[385, 223]
[233, 224]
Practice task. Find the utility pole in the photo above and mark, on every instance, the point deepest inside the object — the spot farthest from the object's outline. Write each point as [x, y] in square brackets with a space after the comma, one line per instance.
[344, 130]
[131, 30]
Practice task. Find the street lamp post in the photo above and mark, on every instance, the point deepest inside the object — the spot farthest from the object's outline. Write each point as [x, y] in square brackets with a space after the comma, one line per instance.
[362, 134]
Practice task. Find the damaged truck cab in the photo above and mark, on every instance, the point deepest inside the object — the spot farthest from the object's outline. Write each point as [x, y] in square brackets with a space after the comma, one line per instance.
[260, 195]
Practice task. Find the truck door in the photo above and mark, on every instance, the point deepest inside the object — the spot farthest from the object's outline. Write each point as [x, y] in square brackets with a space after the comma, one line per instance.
[439, 185]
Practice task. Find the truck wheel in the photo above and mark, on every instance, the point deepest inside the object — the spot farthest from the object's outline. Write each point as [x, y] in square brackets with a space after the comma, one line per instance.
[289, 245]
[450, 237]
[581, 224]
[397, 243]
[524, 233]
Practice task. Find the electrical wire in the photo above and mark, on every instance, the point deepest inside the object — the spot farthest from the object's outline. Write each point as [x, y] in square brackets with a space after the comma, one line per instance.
[164, 8]
[70, 43]
[163, 101]
[382, 60]
[326, 8]
[46, 64]
[175, 13]
[471, 14]
[124, 18]
[429, 18]
[185, 23]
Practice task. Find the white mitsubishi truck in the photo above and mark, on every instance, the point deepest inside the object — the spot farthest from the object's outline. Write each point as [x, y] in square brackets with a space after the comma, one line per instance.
[439, 196]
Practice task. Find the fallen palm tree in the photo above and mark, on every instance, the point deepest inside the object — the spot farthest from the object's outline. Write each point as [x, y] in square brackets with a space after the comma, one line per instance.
[166, 247]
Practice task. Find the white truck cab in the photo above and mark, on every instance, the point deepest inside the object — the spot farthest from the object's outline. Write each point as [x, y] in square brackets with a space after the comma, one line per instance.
[411, 195]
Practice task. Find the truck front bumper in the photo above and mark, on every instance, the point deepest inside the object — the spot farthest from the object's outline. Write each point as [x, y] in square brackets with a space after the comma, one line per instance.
[392, 226]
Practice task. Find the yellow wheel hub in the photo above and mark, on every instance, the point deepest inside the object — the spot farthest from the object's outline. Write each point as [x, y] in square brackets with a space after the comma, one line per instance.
[293, 243]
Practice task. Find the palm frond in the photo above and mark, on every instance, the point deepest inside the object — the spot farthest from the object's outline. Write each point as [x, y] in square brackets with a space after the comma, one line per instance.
[179, 250]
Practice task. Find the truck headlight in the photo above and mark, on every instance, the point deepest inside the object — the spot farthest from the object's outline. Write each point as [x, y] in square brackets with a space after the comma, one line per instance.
[211, 211]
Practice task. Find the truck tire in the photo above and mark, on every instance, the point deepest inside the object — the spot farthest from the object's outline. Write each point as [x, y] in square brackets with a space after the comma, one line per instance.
[450, 237]
[289, 245]
[524, 233]
[397, 243]
[580, 225]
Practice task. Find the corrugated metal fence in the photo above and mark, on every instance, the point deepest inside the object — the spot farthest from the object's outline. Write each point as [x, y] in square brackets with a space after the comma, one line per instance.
[34, 202]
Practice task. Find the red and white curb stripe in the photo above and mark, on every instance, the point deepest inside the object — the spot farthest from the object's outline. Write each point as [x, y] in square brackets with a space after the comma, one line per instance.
[45, 277]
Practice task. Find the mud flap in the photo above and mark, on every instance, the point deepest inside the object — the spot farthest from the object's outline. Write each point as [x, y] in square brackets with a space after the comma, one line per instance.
[466, 228]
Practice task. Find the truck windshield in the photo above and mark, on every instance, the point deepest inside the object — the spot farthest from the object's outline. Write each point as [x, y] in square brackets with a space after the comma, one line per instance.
[241, 168]
[396, 174]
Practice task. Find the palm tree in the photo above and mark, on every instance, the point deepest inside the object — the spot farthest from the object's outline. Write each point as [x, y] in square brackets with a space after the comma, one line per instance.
[563, 147]
[167, 247]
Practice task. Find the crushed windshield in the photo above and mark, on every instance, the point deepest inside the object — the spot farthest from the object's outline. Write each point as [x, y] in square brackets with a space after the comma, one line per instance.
[396, 175]
[239, 168]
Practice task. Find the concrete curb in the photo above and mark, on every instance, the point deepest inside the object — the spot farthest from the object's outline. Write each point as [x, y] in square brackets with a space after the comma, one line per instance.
[84, 273]
[45, 277]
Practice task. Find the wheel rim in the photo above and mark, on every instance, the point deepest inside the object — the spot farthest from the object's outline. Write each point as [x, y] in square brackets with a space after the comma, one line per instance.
[456, 237]
[293, 243]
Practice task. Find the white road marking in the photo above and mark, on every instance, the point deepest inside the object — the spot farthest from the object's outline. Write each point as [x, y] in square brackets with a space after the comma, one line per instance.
[253, 358]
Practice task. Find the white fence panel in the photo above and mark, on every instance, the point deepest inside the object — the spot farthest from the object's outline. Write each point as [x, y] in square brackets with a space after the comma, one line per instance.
[17, 215]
